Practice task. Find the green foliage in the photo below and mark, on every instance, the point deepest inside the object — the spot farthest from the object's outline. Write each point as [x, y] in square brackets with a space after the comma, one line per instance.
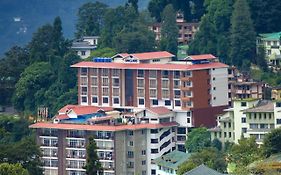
[261, 60]
[211, 157]
[93, 166]
[90, 19]
[216, 143]
[198, 139]
[12, 169]
[169, 31]
[243, 36]
[272, 143]
[244, 153]
[102, 52]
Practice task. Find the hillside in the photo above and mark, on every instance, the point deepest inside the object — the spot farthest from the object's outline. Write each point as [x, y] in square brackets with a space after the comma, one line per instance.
[19, 18]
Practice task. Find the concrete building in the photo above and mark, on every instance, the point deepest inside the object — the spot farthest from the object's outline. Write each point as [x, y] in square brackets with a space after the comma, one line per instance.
[271, 43]
[248, 117]
[186, 33]
[168, 164]
[127, 142]
[85, 45]
[196, 89]
[242, 87]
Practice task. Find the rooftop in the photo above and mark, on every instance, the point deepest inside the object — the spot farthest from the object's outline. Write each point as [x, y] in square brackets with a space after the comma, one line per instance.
[147, 55]
[262, 106]
[144, 66]
[270, 36]
[160, 110]
[172, 159]
[202, 170]
[201, 57]
[82, 110]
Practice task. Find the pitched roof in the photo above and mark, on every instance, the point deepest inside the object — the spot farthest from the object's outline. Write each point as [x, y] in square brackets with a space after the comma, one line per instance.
[202, 170]
[160, 110]
[201, 57]
[152, 55]
[62, 117]
[81, 110]
[262, 106]
[123, 55]
[64, 126]
[172, 159]
[271, 36]
[145, 66]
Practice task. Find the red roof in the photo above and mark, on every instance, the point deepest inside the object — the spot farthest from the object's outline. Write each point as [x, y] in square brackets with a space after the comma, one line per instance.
[201, 57]
[152, 55]
[62, 117]
[160, 110]
[144, 66]
[101, 127]
[80, 110]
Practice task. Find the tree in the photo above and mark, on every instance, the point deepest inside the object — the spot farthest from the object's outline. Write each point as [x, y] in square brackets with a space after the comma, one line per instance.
[243, 37]
[102, 52]
[216, 143]
[244, 153]
[134, 4]
[93, 166]
[169, 31]
[261, 60]
[211, 157]
[12, 169]
[198, 139]
[90, 19]
[272, 143]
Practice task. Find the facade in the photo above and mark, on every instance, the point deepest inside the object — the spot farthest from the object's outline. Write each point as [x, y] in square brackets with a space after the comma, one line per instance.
[127, 142]
[186, 33]
[242, 87]
[276, 93]
[247, 118]
[196, 89]
[85, 45]
[271, 43]
[168, 164]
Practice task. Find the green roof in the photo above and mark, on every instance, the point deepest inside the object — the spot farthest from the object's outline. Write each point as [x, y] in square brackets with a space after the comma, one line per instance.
[202, 170]
[271, 36]
[172, 160]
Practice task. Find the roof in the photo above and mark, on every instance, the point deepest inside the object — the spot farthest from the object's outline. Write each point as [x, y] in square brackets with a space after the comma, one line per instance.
[152, 55]
[271, 36]
[172, 159]
[64, 126]
[262, 106]
[82, 45]
[144, 66]
[90, 37]
[62, 117]
[160, 110]
[202, 170]
[81, 110]
[201, 57]
[123, 55]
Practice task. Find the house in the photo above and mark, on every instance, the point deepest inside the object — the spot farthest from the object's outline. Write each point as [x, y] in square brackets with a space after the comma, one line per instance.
[85, 45]
[202, 170]
[168, 164]
[271, 43]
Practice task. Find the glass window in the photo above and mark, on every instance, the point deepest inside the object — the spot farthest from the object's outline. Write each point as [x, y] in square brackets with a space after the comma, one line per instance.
[141, 101]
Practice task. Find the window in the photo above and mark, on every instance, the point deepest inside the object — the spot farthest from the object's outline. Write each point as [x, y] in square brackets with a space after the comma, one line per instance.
[94, 72]
[152, 93]
[154, 140]
[143, 163]
[176, 74]
[244, 130]
[154, 102]
[140, 73]
[154, 131]
[140, 92]
[141, 101]
[131, 143]
[84, 90]
[243, 120]
[214, 88]
[229, 134]
[143, 172]
[243, 104]
[105, 91]
[84, 100]
[94, 99]
[104, 72]
[115, 91]
[94, 81]
[165, 74]
[143, 132]
[105, 99]
[130, 133]
[83, 53]
[156, 60]
[176, 84]
[167, 102]
[187, 74]
[165, 83]
[181, 130]
[154, 151]
[140, 82]
[115, 72]
[115, 81]
[278, 104]
[153, 73]
[143, 152]
[278, 121]
[105, 82]
[189, 103]
[187, 94]
[84, 71]
[177, 103]
[253, 126]
[188, 120]
[165, 94]
[115, 100]
[83, 81]
[177, 93]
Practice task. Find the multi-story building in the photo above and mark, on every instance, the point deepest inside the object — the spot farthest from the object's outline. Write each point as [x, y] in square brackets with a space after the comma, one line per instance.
[271, 43]
[247, 118]
[186, 33]
[242, 87]
[127, 141]
[85, 45]
[195, 88]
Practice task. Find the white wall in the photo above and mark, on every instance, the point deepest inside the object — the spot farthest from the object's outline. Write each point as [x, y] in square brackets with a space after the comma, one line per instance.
[219, 81]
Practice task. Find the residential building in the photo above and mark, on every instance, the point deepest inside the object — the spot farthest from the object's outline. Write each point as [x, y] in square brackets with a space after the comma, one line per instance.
[203, 170]
[127, 141]
[85, 45]
[242, 87]
[247, 118]
[276, 93]
[271, 43]
[186, 33]
[168, 164]
[196, 89]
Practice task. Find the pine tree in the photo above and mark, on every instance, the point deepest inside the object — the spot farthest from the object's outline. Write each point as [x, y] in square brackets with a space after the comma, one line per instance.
[169, 30]
[243, 36]
[93, 166]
